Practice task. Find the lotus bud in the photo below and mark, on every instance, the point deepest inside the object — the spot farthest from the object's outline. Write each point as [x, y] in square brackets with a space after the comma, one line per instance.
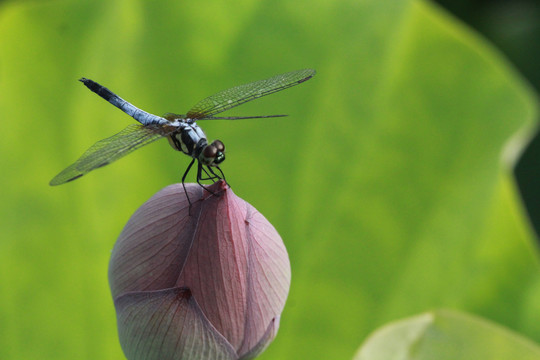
[208, 282]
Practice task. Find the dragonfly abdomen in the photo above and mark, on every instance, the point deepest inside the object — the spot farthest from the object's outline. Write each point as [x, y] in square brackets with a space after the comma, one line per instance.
[141, 116]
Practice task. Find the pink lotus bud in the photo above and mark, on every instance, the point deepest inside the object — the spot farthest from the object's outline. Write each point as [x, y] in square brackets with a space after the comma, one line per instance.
[210, 285]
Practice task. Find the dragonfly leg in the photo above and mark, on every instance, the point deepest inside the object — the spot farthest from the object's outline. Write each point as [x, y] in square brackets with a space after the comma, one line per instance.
[208, 175]
[199, 177]
[184, 183]
[222, 175]
[216, 176]
[211, 174]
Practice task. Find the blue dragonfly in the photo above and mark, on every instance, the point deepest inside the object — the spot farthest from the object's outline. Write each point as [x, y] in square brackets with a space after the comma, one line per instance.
[182, 131]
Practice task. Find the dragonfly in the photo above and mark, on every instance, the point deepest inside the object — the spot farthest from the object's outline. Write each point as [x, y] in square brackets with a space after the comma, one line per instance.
[182, 131]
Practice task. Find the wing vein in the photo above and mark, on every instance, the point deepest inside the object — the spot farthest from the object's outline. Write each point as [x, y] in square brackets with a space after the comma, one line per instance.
[238, 95]
[108, 150]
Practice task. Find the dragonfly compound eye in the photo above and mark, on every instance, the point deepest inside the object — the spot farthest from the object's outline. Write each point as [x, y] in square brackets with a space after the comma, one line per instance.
[213, 153]
[210, 151]
[219, 145]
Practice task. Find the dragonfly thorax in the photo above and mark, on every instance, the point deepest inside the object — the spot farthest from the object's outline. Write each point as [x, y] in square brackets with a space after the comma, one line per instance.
[191, 140]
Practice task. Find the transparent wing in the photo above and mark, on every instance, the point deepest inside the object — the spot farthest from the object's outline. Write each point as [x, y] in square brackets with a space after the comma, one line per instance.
[227, 99]
[108, 150]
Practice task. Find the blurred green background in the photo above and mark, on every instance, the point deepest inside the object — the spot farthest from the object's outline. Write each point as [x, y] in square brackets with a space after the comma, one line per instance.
[391, 182]
[514, 27]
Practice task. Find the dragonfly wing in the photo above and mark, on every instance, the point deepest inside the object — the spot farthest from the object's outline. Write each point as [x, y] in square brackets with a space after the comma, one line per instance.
[108, 150]
[227, 99]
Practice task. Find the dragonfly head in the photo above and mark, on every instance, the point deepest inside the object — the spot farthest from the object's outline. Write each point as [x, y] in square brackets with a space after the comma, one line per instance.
[213, 154]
